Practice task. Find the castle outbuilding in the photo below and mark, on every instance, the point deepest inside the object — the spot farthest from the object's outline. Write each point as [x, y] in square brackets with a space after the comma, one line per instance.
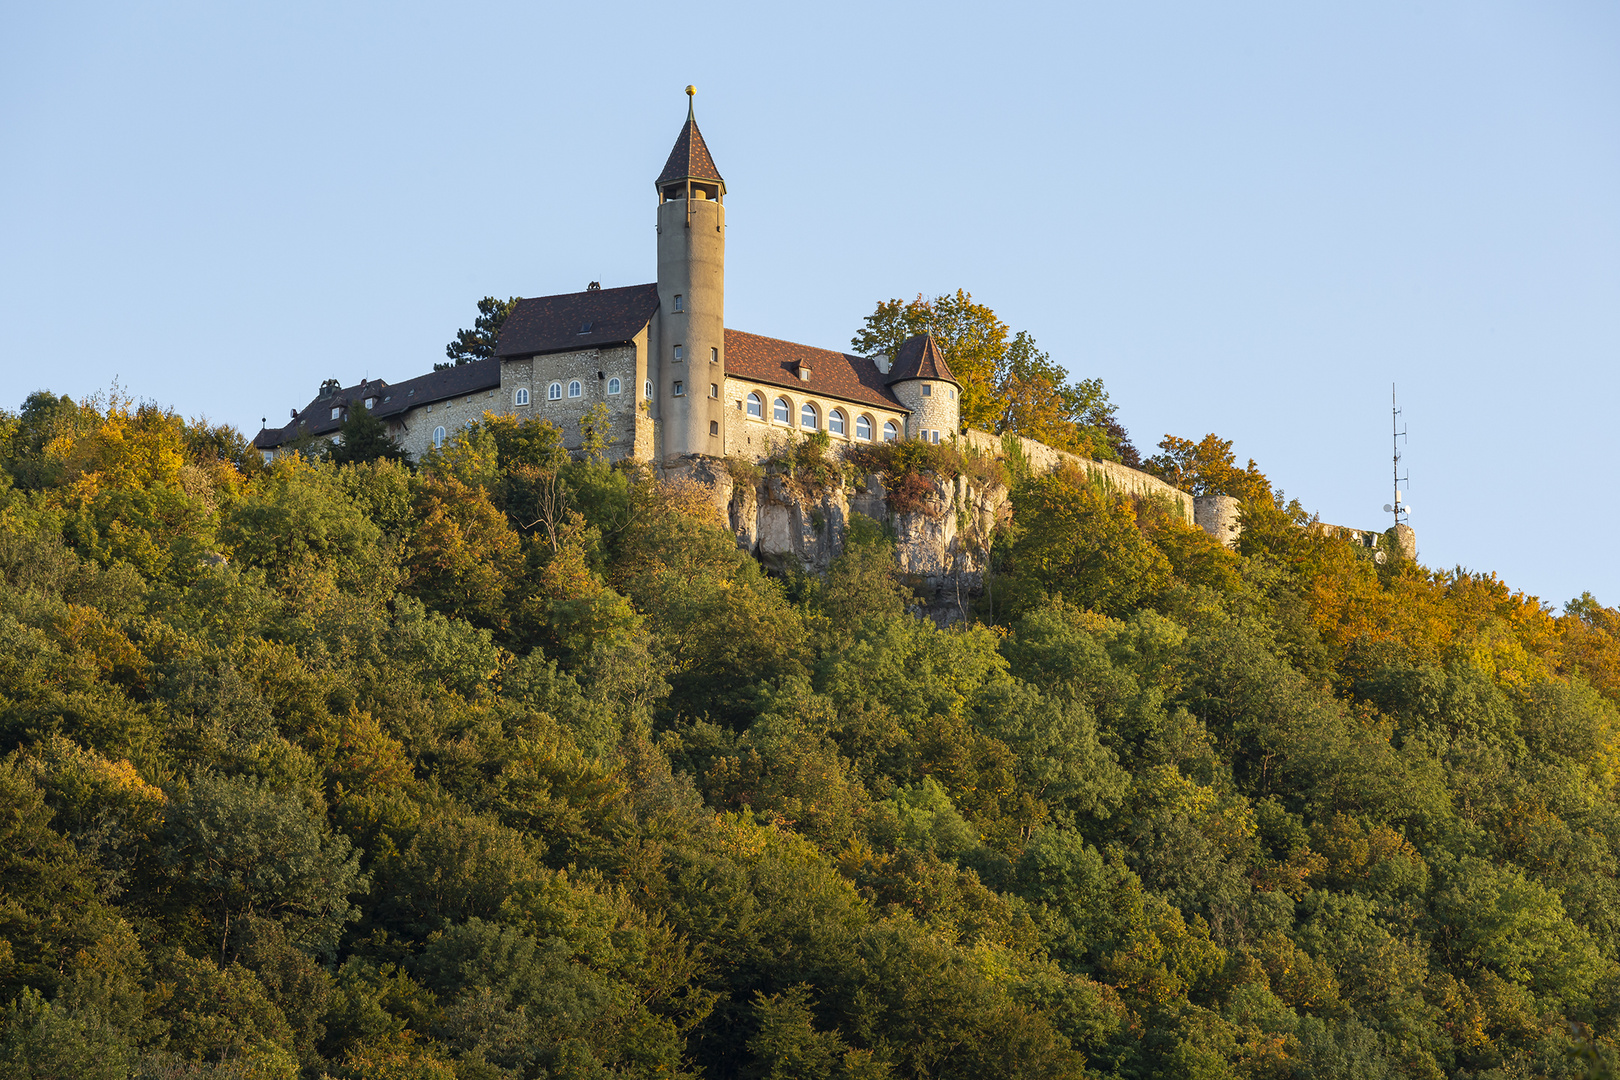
[674, 379]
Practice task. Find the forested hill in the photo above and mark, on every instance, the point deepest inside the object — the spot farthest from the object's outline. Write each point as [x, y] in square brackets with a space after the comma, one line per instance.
[511, 766]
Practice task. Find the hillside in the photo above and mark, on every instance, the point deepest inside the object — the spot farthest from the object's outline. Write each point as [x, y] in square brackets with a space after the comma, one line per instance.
[516, 766]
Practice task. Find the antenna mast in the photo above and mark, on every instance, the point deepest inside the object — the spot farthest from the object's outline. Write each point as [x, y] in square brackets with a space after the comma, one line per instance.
[1397, 431]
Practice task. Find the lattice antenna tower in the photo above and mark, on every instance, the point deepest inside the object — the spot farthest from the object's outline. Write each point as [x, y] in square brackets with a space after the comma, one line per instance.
[1397, 431]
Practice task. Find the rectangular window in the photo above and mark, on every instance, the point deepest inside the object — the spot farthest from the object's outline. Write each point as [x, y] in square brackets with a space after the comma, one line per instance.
[714, 355]
[928, 391]
[680, 388]
[680, 304]
[680, 351]
[714, 390]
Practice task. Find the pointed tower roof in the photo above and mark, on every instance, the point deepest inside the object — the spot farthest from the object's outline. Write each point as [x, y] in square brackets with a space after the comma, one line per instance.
[690, 158]
[920, 357]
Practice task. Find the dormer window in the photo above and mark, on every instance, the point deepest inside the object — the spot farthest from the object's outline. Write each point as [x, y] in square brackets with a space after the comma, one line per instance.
[804, 373]
[335, 413]
[680, 303]
[370, 401]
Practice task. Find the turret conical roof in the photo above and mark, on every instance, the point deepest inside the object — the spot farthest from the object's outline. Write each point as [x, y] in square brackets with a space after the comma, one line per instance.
[920, 357]
[690, 158]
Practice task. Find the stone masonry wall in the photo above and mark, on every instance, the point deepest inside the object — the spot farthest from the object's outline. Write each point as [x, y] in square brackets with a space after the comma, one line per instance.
[1043, 458]
[755, 438]
[938, 411]
[1220, 516]
[592, 369]
[414, 429]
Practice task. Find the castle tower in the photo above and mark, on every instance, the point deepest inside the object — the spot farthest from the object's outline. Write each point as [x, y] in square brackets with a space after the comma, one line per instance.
[921, 379]
[691, 362]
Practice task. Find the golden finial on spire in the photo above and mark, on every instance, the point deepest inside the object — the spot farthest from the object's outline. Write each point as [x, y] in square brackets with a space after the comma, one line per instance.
[690, 90]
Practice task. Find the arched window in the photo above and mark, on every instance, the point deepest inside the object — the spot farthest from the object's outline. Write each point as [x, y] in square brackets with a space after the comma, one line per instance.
[756, 406]
[614, 386]
[574, 389]
[835, 421]
[646, 389]
[522, 396]
[779, 411]
[438, 437]
[863, 428]
[890, 432]
[554, 392]
[808, 417]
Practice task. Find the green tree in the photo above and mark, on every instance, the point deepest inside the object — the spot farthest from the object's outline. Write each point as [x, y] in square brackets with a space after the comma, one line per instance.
[479, 342]
[236, 848]
[363, 438]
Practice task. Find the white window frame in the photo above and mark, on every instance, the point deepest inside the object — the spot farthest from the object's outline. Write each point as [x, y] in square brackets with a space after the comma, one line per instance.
[680, 353]
[756, 406]
[336, 413]
[837, 422]
[680, 388]
[647, 389]
[680, 303]
[866, 420]
[521, 397]
[574, 389]
[809, 408]
[615, 387]
[554, 392]
[438, 437]
[783, 406]
[891, 433]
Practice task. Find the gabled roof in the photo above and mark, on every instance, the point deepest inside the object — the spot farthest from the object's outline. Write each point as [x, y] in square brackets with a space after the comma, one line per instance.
[832, 374]
[690, 158]
[391, 399]
[581, 320]
[920, 357]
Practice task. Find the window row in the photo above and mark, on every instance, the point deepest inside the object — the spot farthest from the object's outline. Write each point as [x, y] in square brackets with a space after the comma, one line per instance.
[810, 418]
[554, 392]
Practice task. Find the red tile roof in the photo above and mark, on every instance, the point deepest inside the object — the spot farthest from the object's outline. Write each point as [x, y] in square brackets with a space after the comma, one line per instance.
[690, 159]
[581, 320]
[920, 358]
[832, 374]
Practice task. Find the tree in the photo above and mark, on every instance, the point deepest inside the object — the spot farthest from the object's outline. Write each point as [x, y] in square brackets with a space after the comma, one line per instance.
[479, 342]
[1207, 467]
[1008, 385]
[363, 438]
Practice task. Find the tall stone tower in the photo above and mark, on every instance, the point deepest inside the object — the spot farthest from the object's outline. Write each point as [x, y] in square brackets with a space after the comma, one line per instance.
[691, 358]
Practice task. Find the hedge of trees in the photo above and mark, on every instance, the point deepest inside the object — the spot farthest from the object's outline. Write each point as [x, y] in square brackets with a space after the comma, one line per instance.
[508, 765]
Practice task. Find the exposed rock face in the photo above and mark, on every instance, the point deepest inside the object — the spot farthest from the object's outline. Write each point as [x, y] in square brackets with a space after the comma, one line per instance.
[942, 547]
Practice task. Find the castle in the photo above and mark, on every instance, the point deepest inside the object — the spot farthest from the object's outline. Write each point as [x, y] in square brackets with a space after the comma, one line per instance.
[675, 381]
[677, 384]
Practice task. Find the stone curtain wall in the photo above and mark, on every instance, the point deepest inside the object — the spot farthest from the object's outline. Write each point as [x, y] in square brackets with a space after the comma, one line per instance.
[1116, 477]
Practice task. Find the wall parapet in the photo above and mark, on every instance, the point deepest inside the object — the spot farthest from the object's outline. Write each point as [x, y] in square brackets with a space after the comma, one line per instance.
[1114, 476]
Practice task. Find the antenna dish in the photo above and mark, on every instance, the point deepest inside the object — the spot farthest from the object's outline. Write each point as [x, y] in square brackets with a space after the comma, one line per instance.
[1388, 508]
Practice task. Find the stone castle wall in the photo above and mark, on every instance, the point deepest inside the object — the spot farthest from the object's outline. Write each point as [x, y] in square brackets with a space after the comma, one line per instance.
[594, 370]
[1116, 477]
[413, 430]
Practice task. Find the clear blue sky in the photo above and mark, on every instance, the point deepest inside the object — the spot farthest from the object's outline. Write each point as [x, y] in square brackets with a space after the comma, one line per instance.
[1246, 218]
